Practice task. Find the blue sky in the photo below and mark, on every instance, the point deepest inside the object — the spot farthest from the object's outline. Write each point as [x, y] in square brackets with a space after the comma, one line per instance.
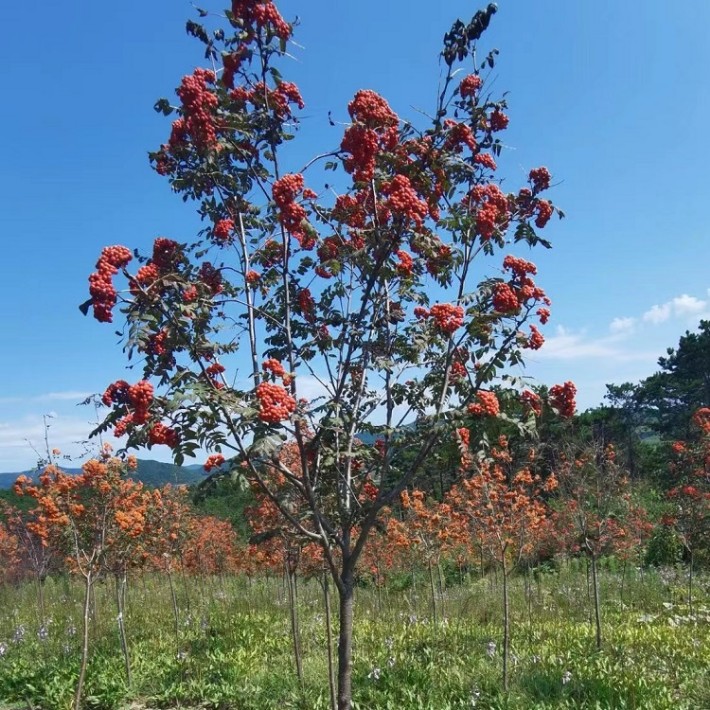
[612, 97]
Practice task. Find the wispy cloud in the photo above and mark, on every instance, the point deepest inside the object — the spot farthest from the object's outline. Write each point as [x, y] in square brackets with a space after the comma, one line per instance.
[70, 396]
[622, 325]
[681, 306]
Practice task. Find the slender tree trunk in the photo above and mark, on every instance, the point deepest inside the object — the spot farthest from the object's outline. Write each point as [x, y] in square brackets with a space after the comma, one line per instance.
[329, 637]
[506, 627]
[40, 598]
[597, 610]
[690, 584]
[120, 602]
[345, 642]
[433, 595]
[84, 642]
[176, 613]
[623, 580]
[292, 603]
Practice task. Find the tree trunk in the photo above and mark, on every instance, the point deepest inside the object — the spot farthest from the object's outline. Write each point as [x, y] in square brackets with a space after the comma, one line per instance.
[329, 637]
[597, 610]
[176, 613]
[690, 585]
[84, 643]
[292, 603]
[345, 642]
[506, 627]
[120, 607]
[433, 595]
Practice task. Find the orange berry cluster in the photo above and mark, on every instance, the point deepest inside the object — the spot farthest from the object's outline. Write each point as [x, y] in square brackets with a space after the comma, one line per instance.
[540, 179]
[213, 461]
[487, 405]
[531, 401]
[374, 130]
[262, 13]
[470, 85]
[161, 434]
[536, 339]
[405, 267]
[275, 403]
[198, 111]
[562, 398]
[403, 201]
[223, 230]
[103, 294]
[498, 120]
[448, 318]
[291, 214]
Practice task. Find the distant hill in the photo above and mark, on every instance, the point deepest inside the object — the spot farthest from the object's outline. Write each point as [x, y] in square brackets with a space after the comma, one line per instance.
[152, 473]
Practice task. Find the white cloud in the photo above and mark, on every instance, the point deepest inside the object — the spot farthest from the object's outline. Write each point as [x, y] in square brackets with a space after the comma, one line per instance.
[622, 325]
[688, 305]
[70, 396]
[657, 314]
[678, 307]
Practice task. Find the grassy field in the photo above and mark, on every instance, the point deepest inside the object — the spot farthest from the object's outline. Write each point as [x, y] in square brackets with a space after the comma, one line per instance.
[231, 647]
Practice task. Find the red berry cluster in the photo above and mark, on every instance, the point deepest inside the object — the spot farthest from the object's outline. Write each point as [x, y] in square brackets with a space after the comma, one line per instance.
[403, 201]
[543, 314]
[520, 267]
[498, 120]
[161, 434]
[491, 209]
[291, 214]
[487, 405]
[101, 289]
[157, 344]
[405, 266]
[544, 212]
[273, 366]
[262, 13]
[531, 401]
[504, 299]
[307, 305]
[486, 160]
[252, 277]
[459, 135]
[470, 85]
[370, 109]
[275, 403]
[144, 278]
[211, 277]
[223, 230]
[213, 461]
[447, 317]
[166, 253]
[198, 108]
[536, 339]
[562, 399]
[213, 373]
[374, 129]
[540, 179]
[701, 419]
[138, 397]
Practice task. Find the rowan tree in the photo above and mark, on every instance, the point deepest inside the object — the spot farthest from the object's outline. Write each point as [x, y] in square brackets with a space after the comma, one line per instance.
[369, 292]
[593, 506]
[690, 494]
[500, 506]
[90, 517]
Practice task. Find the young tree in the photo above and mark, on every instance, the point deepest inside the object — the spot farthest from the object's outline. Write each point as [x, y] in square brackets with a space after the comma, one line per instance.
[370, 294]
[690, 495]
[593, 506]
[500, 505]
[89, 516]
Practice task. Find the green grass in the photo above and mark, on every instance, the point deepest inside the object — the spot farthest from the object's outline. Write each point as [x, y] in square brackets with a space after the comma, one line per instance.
[234, 648]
